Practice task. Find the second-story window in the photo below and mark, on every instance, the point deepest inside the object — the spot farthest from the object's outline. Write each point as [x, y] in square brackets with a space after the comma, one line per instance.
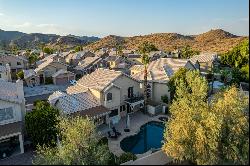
[6, 114]
[109, 96]
[18, 63]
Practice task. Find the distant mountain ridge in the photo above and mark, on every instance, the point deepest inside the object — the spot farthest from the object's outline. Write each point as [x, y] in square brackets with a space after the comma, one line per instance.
[33, 40]
[216, 40]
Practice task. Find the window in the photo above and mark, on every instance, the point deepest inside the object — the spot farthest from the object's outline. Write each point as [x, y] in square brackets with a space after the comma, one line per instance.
[0, 75]
[122, 108]
[1, 64]
[109, 96]
[10, 64]
[6, 114]
[130, 92]
[113, 113]
[18, 63]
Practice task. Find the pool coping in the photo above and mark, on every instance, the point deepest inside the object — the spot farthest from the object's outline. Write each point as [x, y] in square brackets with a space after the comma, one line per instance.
[114, 145]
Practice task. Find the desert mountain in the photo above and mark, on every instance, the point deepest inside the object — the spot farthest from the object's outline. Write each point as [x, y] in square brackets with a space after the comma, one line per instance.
[216, 40]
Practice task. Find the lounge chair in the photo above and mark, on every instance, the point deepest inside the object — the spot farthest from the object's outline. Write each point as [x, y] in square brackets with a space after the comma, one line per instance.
[111, 136]
[115, 131]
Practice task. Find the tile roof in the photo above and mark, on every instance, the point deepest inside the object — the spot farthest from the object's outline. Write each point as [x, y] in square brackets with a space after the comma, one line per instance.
[8, 92]
[160, 70]
[46, 63]
[203, 58]
[86, 62]
[93, 112]
[71, 103]
[80, 54]
[98, 80]
[61, 71]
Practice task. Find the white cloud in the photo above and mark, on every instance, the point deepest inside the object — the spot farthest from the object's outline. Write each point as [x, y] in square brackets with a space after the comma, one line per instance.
[24, 25]
[1, 14]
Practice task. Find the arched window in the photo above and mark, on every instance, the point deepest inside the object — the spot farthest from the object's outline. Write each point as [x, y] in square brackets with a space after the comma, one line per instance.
[109, 96]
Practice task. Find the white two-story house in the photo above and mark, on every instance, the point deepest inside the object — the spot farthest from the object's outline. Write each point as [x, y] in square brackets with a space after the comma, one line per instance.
[12, 111]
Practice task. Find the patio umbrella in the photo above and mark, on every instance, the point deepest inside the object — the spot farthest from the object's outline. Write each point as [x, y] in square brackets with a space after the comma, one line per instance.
[128, 121]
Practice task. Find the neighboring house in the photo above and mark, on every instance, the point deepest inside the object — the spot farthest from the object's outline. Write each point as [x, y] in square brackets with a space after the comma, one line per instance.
[17, 63]
[12, 112]
[74, 58]
[62, 77]
[53, 57]
[82, 104]
[159, 73]
[114, 90]
[205, 61]
[31, 78]
[5, 72]
[88, 65]
[154, 55]
[48, 68]
[135, 58]
[113, 61]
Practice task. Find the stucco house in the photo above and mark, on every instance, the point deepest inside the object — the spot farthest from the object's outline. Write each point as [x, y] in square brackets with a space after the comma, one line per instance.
[16, 63]
[74, 58]
[62, 77]
[12, 111]
[113, 90]
[113, 61]
[48, 68]
[31, 78]
[205, 61]
[88, 65]
[159, 73]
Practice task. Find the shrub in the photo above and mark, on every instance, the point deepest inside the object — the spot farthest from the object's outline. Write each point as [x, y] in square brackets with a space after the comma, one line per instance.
[20, 74]
[164, 99]
[126, 157]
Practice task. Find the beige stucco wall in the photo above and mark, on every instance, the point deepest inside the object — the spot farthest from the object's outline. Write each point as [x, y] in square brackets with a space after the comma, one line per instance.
[159, 89]
[16, 110]
[116, 98]
[4, 76]
[124, 83]
[51, 69]
[13, 62]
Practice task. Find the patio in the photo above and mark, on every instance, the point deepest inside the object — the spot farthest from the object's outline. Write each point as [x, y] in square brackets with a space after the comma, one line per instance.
[137, 119]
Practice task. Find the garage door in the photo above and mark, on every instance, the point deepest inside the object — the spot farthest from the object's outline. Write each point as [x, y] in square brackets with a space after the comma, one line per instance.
[62, 81]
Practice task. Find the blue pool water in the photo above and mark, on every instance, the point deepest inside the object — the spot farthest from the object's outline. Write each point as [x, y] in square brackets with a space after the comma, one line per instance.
[150, 136]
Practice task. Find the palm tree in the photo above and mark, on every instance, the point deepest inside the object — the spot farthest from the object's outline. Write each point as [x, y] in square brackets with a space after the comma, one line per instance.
[144, 49]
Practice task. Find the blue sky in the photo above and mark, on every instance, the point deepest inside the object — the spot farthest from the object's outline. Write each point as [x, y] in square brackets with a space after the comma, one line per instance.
[124, 17]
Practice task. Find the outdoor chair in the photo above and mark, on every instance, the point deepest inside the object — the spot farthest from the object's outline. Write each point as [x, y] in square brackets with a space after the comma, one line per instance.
[115, 131]
[111, 136]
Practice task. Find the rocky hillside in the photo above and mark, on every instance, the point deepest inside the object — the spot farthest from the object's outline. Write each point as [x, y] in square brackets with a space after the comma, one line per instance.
[214, 40]
[33, 40]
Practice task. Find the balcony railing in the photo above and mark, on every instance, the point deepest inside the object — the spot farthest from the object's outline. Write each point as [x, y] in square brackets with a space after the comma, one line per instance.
[134, 98]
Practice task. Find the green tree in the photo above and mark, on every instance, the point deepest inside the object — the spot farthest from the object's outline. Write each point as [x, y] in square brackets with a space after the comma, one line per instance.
[41, 46]
[33, 58]
[187, 52]
[205, 132]
[48, 50]
[20, 74]
[41, 124]
[78, 145]
[78, 48]
[180, 74]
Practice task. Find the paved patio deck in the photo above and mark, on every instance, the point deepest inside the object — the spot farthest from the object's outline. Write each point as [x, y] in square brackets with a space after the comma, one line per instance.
[137, 119]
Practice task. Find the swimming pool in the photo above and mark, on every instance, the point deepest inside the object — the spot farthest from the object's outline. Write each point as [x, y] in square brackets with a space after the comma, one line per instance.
[149, 137]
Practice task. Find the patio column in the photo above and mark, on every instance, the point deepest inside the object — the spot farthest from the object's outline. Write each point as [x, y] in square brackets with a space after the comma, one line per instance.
[21, 143]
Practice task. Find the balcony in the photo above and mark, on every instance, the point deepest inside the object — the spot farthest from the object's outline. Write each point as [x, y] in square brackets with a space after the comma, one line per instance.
[134, 98]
